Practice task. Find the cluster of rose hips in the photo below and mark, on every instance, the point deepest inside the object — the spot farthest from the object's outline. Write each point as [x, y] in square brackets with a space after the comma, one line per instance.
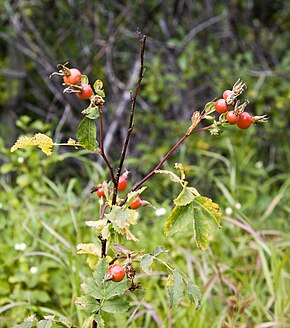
[122, 185]
[238, 115]
[72, 78]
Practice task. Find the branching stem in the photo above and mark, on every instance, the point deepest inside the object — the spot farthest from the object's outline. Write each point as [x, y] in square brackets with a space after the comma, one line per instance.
[133, 97]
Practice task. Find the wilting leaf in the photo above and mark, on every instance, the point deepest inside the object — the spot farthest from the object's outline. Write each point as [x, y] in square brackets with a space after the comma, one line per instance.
[179, 219]
[175, 288]
[40, 140]
[201, 229]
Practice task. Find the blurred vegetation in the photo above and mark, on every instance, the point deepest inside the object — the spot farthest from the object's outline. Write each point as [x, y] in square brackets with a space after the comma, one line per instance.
[195, 50]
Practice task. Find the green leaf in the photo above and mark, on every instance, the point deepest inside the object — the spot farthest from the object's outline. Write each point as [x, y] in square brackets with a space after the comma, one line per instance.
[85, 79]
[184, 198]
[88, 303]
[201, 229]
[98, 85]
[121, 218]
[100, 271]
[113, 289]
[179, 219]
[146, 262]
[118, 305]
[44, 324]
[159, 250]
[209, 107]
[99, 320]
[87, 134]
[209, 208]
[175, 288]
[90, 287]
[91, 112]
[174, 177]
[193, 293]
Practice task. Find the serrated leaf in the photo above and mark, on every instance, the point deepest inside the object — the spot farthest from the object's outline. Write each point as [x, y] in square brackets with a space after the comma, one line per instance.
[40, 140]
[209, 208]
[100, 271]
[113, 289]
[179, 219]
[133, 194]
[121, 218]
[159, 250]
[175, 288]
[99, 320]
[93, 249]
[44, 324]
[88, 303]
[184, 198]
[118, 305]
[201, 229]
[87, 134]
[193, 292]
[146, 262]
[91, 112]
[99, 224]
[90, 287]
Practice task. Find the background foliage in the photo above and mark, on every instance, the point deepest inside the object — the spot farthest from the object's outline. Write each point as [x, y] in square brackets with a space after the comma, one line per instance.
[195, 49]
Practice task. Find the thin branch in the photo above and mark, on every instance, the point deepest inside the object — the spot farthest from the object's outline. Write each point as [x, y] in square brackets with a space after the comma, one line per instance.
[131, 121]
[150, 174]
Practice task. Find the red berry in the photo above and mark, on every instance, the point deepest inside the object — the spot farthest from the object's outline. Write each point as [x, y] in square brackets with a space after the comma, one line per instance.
[74, 77]
[86, 92]
[227, 93]
[221, 106]
[244, 120]
[122, 184]
[137, 202]
[231, 117]
[100, 192]
[117, 272]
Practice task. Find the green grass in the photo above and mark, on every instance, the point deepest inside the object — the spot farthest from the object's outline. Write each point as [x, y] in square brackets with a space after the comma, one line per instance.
[244, 275]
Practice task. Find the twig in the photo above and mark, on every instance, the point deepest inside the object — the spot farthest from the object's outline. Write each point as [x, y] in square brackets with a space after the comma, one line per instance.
[131, 121]
[150, 174]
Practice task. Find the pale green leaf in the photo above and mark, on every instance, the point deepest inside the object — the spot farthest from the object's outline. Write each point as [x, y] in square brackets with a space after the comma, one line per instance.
[85, 79]
[91, 112]
[179, 219]
[201, 229]
[100, 271]
[93, 249]
[90, 287]
[159, 250]
[193, 292]
[174, 177]
[44, 324]
[99, 320]
[209, 208]
[175, 288]
[112, 289]
[184, 198]
[40, 140]
[209, 108]
[88, 303]
[87, 134]
[118, 305]
[146, 262]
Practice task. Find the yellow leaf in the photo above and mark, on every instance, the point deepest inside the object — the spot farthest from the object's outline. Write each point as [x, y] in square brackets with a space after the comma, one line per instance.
[40, 140]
